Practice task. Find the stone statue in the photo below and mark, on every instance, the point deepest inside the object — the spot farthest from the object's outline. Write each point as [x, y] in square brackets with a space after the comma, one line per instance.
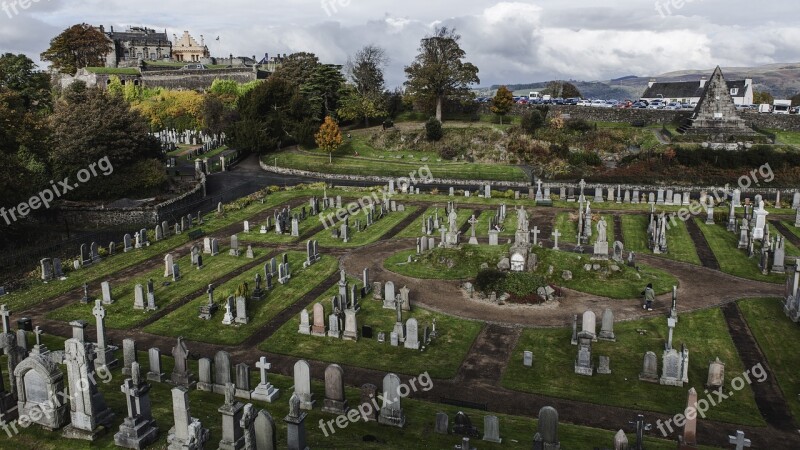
[601, 230]
[248, 418]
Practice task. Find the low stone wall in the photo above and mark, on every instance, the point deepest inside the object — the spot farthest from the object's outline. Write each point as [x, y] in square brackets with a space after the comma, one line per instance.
[782, 122]
[102, 217]
[198, 79]
[384, 180]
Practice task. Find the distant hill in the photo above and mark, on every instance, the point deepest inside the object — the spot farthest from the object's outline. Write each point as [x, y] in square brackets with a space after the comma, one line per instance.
[781, 80]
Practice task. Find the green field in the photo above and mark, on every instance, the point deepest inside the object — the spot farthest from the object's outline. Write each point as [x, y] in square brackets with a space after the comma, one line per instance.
[732, 260]
[705, 333]
[458, 264]
[679, 244]
[777, 337]
[121, 314]
[441, 359]
[184, 321]
[365, 236]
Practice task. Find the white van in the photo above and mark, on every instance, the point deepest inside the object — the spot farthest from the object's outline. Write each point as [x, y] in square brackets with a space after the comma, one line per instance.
[781, 106]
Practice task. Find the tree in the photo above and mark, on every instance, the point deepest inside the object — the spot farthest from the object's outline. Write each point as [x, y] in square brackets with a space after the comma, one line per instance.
[562, 89]
[762, 97]
[796, 100]
[433, 129]
[329, 137]
[532, 120]
[77, 47]
[323, 89]
[18, 74]
[271, 115]
[502, 102]
[89, 125]
[297, 67]
[364, 99]
[438, 71]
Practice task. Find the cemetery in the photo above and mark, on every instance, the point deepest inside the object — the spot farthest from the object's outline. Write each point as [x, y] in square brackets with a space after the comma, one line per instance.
[268, 270]
[409, 293]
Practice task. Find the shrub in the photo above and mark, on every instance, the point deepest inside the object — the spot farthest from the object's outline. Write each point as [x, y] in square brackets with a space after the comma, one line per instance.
[532, 120]
[433, 129]
[448, 152]
[490, 280]
[523, 284]
[578, 125]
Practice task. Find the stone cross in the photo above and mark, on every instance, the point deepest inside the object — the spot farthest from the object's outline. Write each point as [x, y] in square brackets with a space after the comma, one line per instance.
[536, 236]
[671, 325]
[473, 221]
[556, 234]
[6, 314]
[582, 184]
[539, 184]
[38, 332]
[739, 440]
[263, 366]
[100, 314]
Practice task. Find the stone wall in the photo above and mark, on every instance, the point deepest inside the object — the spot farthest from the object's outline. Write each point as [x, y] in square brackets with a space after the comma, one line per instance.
[385, 180]
[198, 79]
[147, 216]
[656, 116]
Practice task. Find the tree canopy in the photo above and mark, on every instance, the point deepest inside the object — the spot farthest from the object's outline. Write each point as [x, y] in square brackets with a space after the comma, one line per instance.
[502, 102]
[363, 99]
[562, 89]
[439, 70]
[77, 47]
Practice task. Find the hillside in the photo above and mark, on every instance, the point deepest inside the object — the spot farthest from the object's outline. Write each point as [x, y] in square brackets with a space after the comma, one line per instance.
[782, 80]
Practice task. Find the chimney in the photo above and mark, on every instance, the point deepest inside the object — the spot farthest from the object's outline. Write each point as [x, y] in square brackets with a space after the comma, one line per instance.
[703, 82]
[651, 82]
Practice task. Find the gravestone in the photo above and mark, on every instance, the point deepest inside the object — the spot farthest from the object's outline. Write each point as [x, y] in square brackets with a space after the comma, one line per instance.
[222, 371]
[266, 435]
[302, 385]
[154, 358]
[138, 297]
[305, 326]
[350, 325]
[605, 365]
[548, 428]
[649, 368]
[88, 411]
[38, 382]
[181, 375]
[589, 324]
[205, 379]
[265, 391]
[716, 374]
[138, 429]
[607, 327]
[527, 358]
[491, 429]
[187, 433]
[243, 381]
[318, 329]
[391, 410]
[412, 334]
[106, 290]
[129, 355]
[295, 425]
[463, 425]
[442, 424]
[335, 401]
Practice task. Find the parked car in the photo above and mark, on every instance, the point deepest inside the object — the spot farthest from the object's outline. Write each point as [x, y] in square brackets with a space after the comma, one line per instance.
[598, 103]
[673, 106]
[656, 104]
[584, 103]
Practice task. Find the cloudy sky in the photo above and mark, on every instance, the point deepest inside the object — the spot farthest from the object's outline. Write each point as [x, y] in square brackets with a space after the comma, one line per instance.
[510, 42]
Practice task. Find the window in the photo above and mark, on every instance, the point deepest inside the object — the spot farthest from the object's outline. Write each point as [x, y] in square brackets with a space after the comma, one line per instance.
[717, 116]
[735, 91]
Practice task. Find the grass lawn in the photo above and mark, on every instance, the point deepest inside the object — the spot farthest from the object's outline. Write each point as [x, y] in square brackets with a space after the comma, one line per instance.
[121, 314]
[464, 263]
[34, 291]
[365, 236]
[704, 332]
[625, 284]
[441, 359]
[567, 224]
[732, 260]
[184, 321]
[509, 225]
[304, 226]
[790, 226]
[787, 137]
[460, 264]
[346, 164]
[680, 245]
[420, 415]
[414, 229]
[777, 336]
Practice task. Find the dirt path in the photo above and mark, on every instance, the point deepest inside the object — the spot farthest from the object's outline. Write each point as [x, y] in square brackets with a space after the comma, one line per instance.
[489, 355]
[787, 233]
[768, 395]
[707, 257]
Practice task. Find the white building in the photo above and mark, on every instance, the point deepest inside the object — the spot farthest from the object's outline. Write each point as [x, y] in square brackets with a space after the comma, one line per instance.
[690, 91]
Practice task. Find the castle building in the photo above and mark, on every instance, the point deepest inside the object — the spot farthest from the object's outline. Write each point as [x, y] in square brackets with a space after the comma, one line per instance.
[187, 49]
[136, 44]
